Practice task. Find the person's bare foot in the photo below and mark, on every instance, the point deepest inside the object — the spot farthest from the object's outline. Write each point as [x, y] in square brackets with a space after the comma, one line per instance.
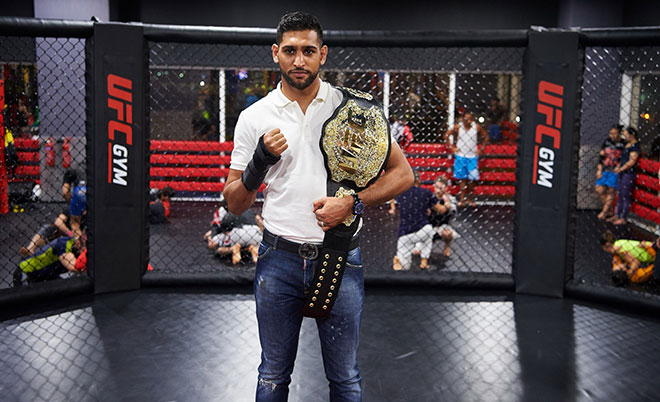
[447, 252]
[396, 264]
[235, 254]
[254, 251]
[25, 252]
[619, 221]
[424, 264]
[612, 218]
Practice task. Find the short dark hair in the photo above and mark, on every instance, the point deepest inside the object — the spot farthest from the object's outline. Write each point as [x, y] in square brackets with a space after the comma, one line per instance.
[298, 21]
[607, 237]
[631, 130]
[620, 277]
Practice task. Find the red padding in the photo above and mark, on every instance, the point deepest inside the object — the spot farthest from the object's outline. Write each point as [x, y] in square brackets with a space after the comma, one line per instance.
[507, 191]
[440, 149]
[188, 172]
[172, 159]
[433, 149]
[484, 176]
[645, 213]
[190, 146]
[193, 186]
[648, 199]
[650, 183]
[27, 170]
[497, 163]
[496, 149]
[28, 156]
[26, 143]
[430, 162]
[649, 166]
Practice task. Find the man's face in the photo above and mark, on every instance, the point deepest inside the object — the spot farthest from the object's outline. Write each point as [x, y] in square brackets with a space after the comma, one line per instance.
[468, 118]
[300, 56]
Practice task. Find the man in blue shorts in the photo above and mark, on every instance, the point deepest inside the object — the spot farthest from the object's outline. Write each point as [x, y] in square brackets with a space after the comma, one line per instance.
[466, 146]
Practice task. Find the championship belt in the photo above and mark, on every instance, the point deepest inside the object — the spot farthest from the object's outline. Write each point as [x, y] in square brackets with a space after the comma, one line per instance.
[355, 142]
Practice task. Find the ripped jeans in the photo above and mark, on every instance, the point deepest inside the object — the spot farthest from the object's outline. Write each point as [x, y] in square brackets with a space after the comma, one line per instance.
[280, 281]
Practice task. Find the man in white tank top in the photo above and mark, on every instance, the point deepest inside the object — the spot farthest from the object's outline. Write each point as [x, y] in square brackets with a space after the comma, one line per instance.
[464, 139]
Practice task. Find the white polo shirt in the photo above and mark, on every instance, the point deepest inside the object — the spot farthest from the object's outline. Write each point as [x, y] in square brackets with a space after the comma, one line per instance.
[299, 178]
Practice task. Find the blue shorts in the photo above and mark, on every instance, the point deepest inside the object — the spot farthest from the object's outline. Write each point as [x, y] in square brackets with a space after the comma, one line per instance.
[608, 179]
[466, 168]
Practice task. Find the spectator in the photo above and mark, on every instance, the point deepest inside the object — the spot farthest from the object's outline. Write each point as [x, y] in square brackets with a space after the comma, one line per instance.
[401, 132]
[159, 208]
[464, 138]
[68, 183]
[11, 156]
[415, 230]
[78, 208]
[626, 171]
[632, 260]
[230, 233]
[233, 241]
[57, 257]
[49, 232]
[440, 218]
[606, 179]
[495, 116]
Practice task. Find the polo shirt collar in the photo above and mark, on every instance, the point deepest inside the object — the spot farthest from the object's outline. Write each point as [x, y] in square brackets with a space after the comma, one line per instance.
[321, 95]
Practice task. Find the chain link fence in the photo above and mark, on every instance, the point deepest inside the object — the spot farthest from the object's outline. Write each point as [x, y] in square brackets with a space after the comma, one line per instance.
[42, 98]
[617, 215]
[436, 99]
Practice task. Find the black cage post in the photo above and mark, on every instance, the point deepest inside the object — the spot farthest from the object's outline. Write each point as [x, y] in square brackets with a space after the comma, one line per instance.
[546, 153]
[117, 188]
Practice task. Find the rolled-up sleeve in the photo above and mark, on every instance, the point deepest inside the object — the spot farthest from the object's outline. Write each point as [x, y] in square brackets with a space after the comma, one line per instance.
[245, 142]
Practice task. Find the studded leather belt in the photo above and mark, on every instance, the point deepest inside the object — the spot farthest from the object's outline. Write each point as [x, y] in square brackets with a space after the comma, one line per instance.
[309, 251]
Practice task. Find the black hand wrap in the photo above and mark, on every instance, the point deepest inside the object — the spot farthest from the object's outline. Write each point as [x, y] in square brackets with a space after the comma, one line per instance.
[256, 170]
[442, 201]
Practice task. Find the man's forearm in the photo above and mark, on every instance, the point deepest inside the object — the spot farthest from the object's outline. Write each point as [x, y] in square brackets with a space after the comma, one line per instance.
[239, 198]
[397, 179]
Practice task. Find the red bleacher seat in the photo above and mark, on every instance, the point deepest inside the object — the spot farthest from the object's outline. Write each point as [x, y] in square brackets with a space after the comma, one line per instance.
[645, 200]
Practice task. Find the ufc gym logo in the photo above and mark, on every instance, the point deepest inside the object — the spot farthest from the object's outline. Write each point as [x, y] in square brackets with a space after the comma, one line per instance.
[120, 99]
[550, 105]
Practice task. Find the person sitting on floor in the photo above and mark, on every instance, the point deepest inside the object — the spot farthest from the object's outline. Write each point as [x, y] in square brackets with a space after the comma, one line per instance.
[440, 218]
[51, 261]
[159, 208]
[50, 232]
[415, 231]
[632, 260]
[230, 233]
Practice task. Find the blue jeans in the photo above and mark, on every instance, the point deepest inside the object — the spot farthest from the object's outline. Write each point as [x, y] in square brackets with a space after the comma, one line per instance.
[280, 282]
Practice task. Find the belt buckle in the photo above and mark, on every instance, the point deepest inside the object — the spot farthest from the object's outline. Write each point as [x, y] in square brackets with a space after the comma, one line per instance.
[308, 251]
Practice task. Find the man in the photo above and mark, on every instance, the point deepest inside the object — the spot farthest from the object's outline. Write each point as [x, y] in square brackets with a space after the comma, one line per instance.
[440, 218]
[415, 230]
[276, 142]
[495, 116]
[466, 146]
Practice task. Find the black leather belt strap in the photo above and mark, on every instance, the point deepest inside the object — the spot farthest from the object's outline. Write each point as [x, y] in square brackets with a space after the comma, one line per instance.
[329, 271]
[308, 251]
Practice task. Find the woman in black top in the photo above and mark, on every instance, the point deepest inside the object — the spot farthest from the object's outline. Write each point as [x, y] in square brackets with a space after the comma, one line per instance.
[626, 171]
